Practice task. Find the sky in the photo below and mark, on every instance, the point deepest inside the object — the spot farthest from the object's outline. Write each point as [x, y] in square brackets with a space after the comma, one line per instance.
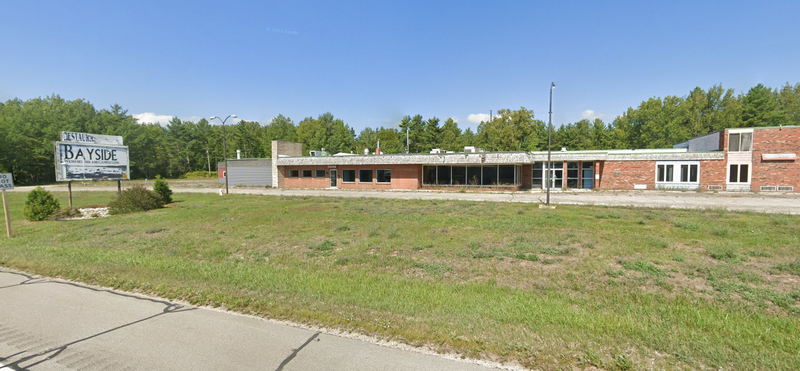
[372, 62]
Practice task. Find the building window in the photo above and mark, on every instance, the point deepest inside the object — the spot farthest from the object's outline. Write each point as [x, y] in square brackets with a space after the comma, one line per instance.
[739, 173]
[740, 142]
[459, 175]
[319, 174]
[537, 175]
[474, 175]
[384, 176]
[572, 175]
[506, 175]
[489, 176]
[306, 173]
[665, 173]
[348, 176]
[365, 176]
[677, 172]
[443, 175]
[294, 173]
[429, 175]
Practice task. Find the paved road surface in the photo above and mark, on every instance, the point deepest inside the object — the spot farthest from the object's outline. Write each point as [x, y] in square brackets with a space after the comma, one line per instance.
[47, 324]
[758, 202]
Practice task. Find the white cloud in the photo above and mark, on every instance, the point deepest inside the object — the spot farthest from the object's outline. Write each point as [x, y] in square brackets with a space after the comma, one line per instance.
[477, 118]
[591, 115]
[152, 118]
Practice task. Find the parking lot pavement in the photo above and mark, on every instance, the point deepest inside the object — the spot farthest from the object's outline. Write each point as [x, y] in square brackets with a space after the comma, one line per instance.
[733, 201]
[49, 324]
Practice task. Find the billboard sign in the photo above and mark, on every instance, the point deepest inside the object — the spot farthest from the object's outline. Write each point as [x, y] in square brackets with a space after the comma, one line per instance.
[80, 161]
[99, 139]
[6, 181]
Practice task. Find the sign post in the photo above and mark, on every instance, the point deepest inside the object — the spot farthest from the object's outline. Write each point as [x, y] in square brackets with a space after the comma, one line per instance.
[6, 182]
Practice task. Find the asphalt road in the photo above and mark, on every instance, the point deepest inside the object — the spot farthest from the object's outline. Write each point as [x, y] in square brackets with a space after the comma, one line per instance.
[734, 201]
[48, 324]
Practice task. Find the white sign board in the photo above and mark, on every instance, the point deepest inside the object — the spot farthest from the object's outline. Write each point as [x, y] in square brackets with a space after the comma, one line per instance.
[6, 181]
[85, 138]
[77, 161]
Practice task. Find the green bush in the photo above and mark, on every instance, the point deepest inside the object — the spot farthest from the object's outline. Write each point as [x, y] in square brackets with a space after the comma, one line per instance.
[162, 188]
[40, 205]
[200, 175]
[135, 199]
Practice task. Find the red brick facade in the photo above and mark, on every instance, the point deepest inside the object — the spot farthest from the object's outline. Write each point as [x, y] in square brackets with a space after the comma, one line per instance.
[609, 175]
[403, 177]
[624, 174]
[776, 172]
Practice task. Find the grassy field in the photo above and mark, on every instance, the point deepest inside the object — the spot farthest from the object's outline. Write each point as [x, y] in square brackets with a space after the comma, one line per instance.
[573, 287]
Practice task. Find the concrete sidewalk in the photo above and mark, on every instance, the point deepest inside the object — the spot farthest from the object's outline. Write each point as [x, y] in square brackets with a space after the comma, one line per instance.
[733, 201]
[48, 324]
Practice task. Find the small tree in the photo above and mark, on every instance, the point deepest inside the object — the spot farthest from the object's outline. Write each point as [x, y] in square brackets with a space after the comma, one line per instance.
[40, 205]
[162, 188]
[135, 199]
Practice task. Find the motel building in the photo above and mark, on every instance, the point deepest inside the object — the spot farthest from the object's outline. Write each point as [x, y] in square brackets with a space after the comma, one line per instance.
[743, 159]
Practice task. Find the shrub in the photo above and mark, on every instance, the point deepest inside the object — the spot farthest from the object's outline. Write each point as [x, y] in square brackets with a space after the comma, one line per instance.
[162, 188]
[135, 199]
[40, 205]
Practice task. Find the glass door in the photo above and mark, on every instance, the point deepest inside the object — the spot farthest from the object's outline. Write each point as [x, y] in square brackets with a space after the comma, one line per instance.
[587, 176]
[333, 176]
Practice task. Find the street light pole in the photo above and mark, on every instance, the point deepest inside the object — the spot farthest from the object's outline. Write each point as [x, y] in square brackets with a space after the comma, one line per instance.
[224, 145]
[549, 142]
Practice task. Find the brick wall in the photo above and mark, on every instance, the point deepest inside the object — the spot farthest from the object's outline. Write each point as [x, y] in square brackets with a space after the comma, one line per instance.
[623, 175]
[403, 177]
[712, 173]
[776, 173]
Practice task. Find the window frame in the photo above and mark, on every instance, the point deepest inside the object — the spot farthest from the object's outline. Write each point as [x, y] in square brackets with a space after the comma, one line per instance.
[378, 176]
[366, 171]
[738, 173]
[304, 171]
[293, 173]
[317, 172]
[345, 171]
[677, 173]
[738, 142]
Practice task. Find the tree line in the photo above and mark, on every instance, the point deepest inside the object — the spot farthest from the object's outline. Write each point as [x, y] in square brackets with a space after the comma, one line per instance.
[28, 129]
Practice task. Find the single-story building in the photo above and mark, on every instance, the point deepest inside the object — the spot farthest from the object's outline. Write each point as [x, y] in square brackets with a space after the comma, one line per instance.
[761, 159]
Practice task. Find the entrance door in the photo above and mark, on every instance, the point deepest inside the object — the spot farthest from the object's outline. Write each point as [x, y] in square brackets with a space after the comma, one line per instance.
[587, 175]
[333, 176]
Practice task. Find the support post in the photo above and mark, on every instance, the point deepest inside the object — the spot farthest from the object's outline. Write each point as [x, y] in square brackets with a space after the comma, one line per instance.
[7, 215]
[69, 191]
[119, 186]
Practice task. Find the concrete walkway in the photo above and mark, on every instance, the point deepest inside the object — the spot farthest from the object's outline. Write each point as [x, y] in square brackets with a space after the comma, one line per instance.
[734, 201]
[49, 324]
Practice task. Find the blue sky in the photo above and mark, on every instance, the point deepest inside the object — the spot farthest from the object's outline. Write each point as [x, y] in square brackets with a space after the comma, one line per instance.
[370, 63]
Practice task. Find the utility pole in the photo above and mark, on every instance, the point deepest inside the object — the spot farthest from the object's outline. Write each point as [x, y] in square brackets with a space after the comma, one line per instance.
[549, 142]
[407, 125]
[224, 145]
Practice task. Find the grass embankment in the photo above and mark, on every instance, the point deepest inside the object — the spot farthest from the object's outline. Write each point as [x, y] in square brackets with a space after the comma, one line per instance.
[575, 286]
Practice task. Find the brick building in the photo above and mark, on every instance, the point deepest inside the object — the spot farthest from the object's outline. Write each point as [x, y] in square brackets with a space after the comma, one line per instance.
[742, 159]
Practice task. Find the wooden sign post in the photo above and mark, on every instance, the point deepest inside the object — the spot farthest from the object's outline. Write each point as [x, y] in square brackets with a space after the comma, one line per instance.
[6, 182]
